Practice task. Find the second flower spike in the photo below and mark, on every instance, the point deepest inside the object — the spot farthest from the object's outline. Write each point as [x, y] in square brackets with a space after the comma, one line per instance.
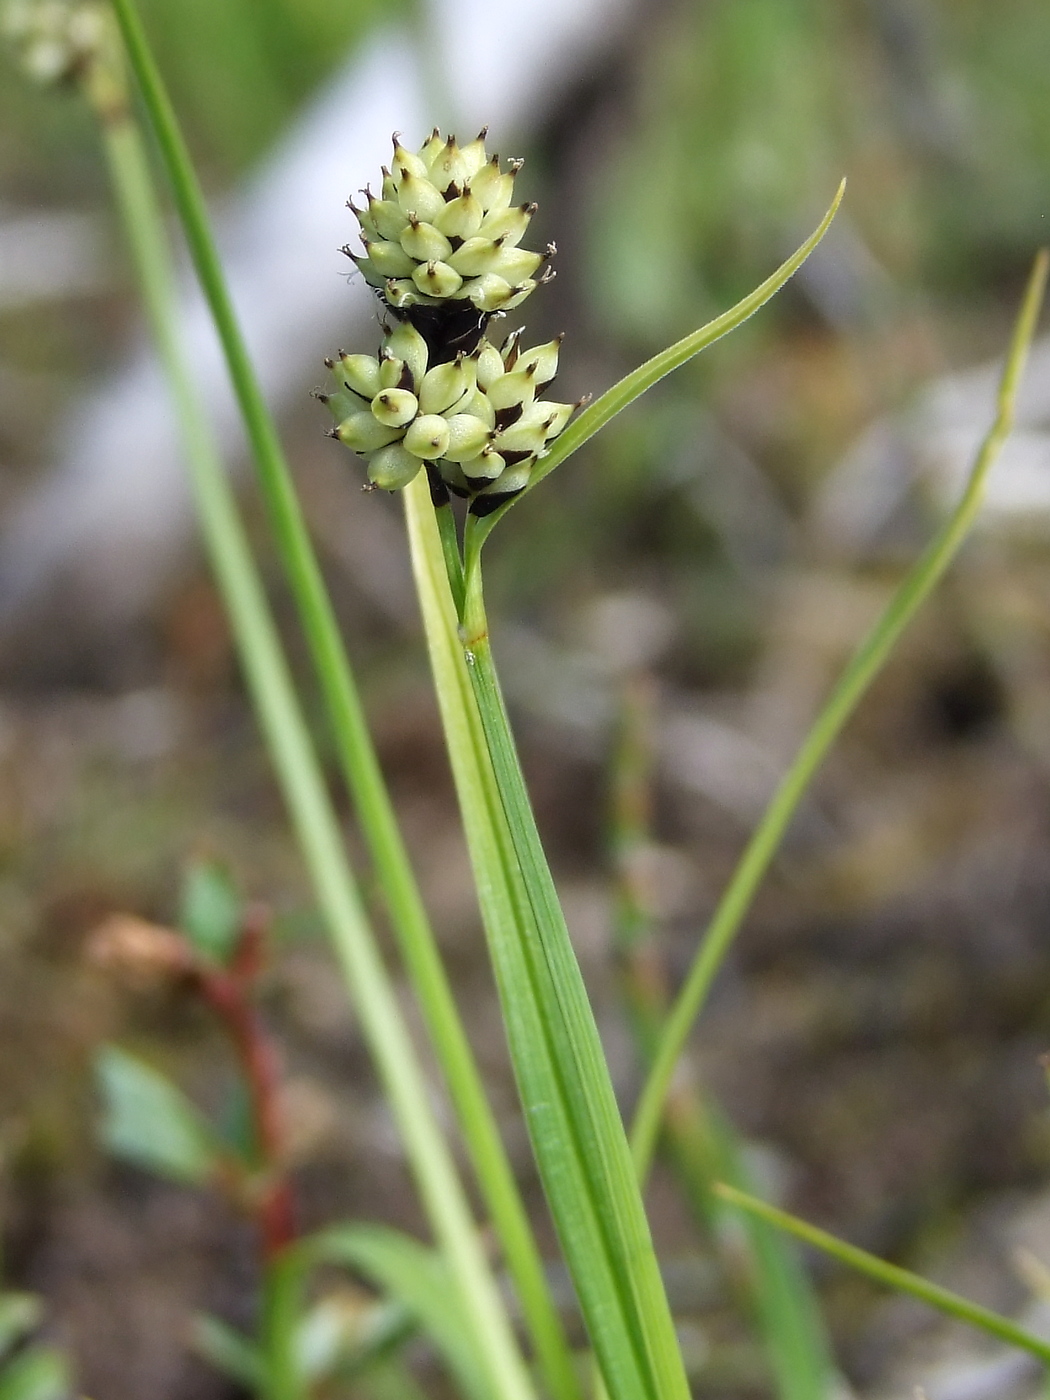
[441, 241]
[477, 422]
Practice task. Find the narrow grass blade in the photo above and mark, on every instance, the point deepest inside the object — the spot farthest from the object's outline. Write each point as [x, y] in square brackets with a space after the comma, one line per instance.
[571, 1113]
[355, 750]
[303, 786]
[770, 1274]
[633, 385]
[764, 1274]
[858, 675]
[892, 1276]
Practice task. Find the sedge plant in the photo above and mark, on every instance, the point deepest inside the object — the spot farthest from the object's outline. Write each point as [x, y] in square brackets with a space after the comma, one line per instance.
[442, 412]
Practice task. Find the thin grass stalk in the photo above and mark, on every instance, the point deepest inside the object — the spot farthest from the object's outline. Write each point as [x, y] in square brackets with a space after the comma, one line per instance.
[302, 783]
[892, 1276]
[765, 1277]
[587, 1212]
[356, 753]
[855, 680]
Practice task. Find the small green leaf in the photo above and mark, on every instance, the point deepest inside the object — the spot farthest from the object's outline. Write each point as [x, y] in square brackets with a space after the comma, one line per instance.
[150, 1122]
[343, 1334]
[210, 911]
[41, 1373]
[19, 1314]
[414, 1276]
[236, 1127]
[228, 1350]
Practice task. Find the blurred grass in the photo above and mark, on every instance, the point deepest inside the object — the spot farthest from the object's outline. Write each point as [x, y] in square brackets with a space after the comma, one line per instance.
[728, 130]
[239, 69]
[744, 115]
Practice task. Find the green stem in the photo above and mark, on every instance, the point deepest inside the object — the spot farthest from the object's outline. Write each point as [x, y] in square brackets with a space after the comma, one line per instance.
[356, 753]
[284, 1283]
[902, 1280]
[446, 523]
[858, 675]
[764, 1275]
[302, 783]
[611, 1277]
[580, 1062]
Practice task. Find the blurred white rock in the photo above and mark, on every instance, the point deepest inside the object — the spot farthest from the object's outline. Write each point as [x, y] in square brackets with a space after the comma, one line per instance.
[931, 447]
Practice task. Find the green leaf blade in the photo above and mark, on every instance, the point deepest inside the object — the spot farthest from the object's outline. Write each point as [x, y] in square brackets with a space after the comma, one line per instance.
[571, 1112]
[229, 1351]
[595, 416]
[892, 1275]
[854, 681]
[150, 1122]
[210, 911]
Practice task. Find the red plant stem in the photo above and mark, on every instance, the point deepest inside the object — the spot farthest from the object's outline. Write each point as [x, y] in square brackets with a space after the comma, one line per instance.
[229, 995]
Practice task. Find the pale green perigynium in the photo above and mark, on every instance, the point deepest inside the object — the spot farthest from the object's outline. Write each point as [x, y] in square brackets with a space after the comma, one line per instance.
[478, 418]
[443, 229]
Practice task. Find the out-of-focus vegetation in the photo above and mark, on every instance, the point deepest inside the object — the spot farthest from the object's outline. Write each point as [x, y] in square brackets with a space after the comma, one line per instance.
[239, 70]
[726, 134]
[720, 132]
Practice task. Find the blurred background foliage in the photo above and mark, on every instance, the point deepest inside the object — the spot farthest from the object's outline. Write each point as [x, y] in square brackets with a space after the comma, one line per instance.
[880, 1025]
[238, 73]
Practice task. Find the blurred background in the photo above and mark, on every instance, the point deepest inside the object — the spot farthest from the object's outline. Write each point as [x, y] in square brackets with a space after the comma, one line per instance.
[877, 1033]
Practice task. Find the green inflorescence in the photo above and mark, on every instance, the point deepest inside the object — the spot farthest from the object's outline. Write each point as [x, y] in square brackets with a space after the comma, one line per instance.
[444, 229]
[442, 254]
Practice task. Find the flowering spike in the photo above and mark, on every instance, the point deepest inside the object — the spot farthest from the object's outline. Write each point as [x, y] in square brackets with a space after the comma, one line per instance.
[441, 248]
[442, 238]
